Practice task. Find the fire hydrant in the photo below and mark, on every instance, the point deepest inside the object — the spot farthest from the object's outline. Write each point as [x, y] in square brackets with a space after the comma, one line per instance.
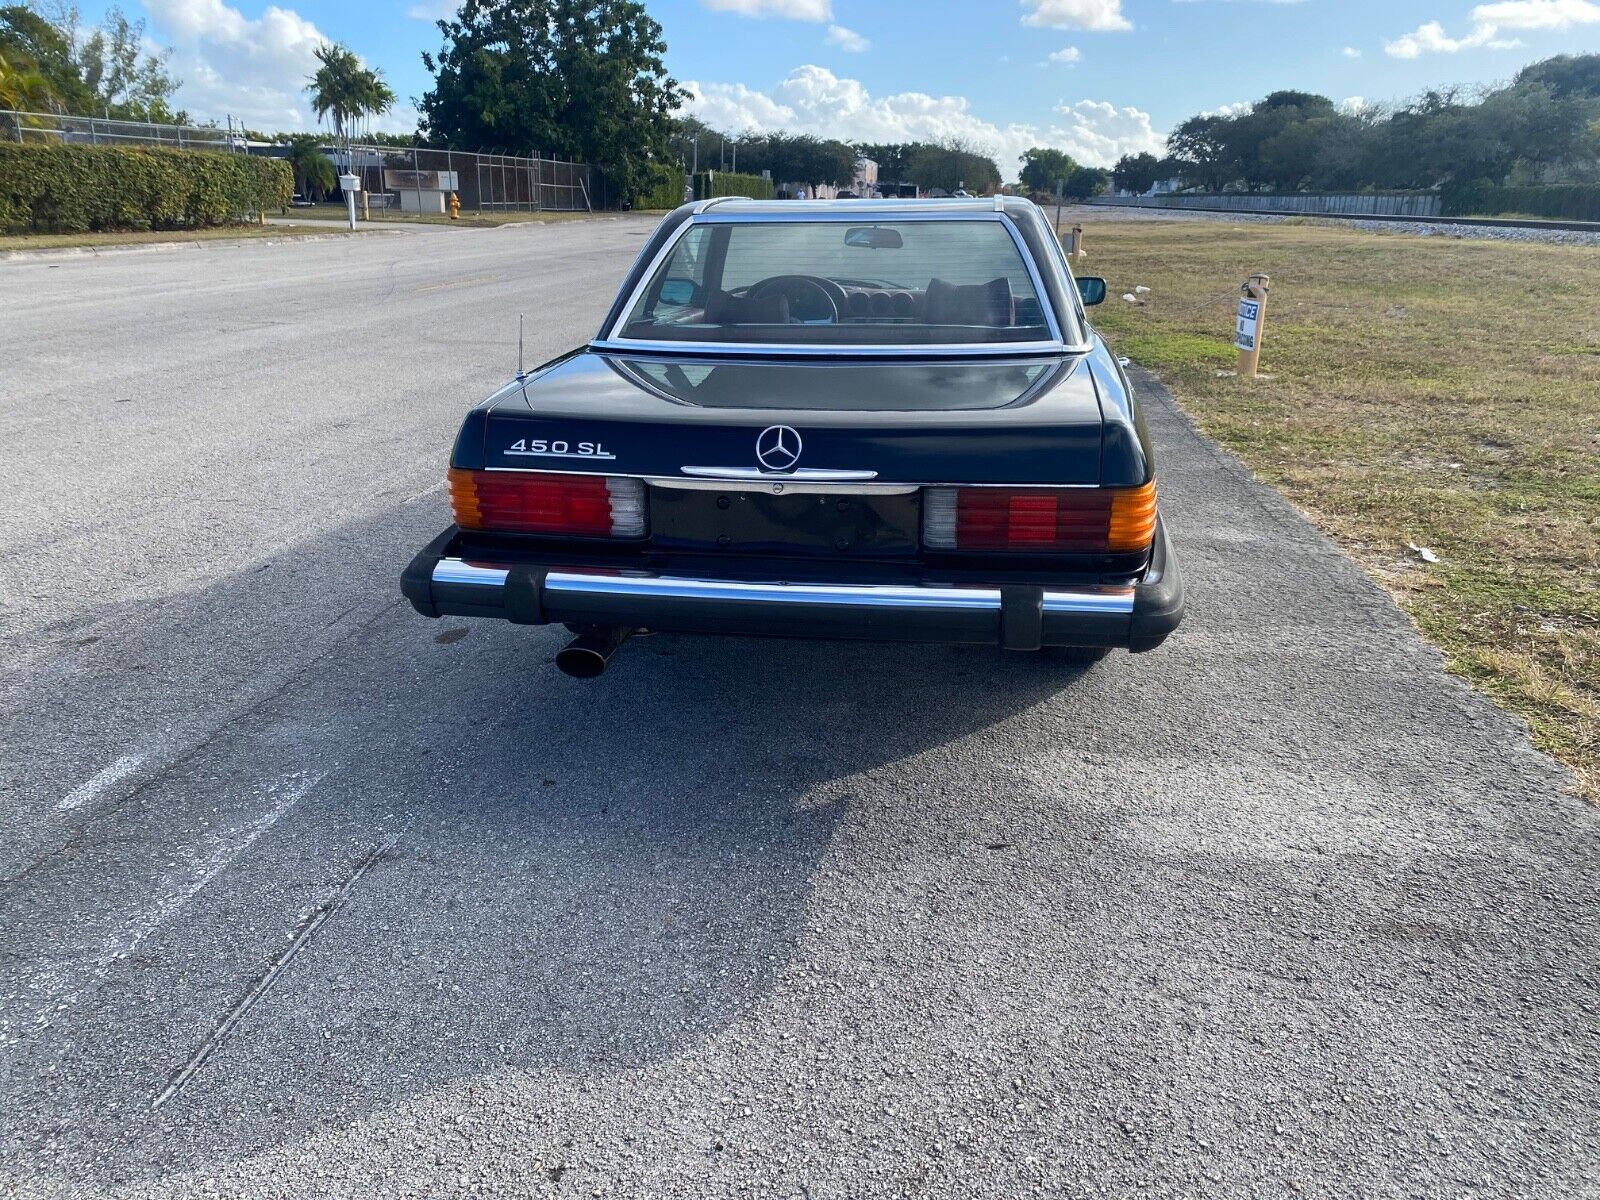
[455, 207]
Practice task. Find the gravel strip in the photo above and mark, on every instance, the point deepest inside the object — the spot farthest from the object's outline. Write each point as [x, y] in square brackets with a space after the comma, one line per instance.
[1493, 233]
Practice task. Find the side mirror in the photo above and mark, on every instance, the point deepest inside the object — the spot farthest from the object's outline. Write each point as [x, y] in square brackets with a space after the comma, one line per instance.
[1092, 288]
[681, 293]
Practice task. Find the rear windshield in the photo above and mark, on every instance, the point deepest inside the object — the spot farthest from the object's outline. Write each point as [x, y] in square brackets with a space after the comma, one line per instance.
[889, 283]
[950, 386]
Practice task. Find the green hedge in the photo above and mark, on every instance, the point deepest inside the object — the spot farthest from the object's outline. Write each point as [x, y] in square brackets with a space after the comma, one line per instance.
[726, 183]
[665, 192]
[75, 189]
[1572, 202]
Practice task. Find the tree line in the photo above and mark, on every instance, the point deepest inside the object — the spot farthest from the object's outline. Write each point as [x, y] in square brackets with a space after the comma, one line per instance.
[50, 61]
[1542, 128]
[586, 80]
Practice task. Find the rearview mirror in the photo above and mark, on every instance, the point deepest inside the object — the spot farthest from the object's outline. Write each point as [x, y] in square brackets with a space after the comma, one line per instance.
[873, 238]
[1092, 288]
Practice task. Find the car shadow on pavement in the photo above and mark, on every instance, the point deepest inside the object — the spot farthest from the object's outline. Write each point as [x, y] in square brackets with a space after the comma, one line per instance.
[578, 877]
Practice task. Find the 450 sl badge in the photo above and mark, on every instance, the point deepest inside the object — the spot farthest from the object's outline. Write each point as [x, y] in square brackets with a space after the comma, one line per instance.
[556, 448]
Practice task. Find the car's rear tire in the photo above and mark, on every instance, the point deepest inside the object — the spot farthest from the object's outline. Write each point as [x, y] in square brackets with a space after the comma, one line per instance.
[1077, 656]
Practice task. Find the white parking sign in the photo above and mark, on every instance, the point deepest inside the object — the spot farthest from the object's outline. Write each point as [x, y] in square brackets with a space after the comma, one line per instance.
[1244, 330]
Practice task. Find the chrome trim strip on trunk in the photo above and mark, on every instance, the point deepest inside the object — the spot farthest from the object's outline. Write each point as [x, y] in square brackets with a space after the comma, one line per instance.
[787, 485]
[865, 485]
[815, 474]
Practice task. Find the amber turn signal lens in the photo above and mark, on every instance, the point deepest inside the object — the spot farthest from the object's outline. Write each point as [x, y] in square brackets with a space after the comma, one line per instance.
[1133, 518]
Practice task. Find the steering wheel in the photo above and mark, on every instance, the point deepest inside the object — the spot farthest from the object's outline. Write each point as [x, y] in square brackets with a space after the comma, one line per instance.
[811, 298]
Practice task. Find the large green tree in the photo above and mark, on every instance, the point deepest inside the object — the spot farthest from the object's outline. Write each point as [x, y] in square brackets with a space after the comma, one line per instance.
[104, 70]
[579, 79]
[1044, 166]
[951, 165]
[127, 80]
[1137, 173]
[1201, 153]
[793, 158]
[39, 52]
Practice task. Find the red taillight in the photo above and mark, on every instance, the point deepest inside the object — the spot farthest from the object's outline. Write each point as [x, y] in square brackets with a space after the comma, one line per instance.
[538, 502]
[1085, 520]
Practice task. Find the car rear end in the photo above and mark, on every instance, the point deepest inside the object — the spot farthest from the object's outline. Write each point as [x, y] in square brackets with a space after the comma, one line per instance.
[676, 484]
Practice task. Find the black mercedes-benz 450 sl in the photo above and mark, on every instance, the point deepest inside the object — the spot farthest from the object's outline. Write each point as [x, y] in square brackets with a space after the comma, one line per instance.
[829, 419]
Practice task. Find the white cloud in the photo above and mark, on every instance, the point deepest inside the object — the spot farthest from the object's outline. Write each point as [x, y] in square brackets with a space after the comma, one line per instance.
[1097, 133]
[1430, 38]
[1098, 15]
[253, 69]
[434, 10]
[1067, 54]
[847, 40]
[1353, 105]
[1237, 108]
[1488, 20]
[1537, 14]
[1350, 52]
[797, 10]
[814, 100]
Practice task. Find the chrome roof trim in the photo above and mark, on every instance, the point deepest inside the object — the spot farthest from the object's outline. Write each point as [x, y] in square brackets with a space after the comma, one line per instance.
[764, 351]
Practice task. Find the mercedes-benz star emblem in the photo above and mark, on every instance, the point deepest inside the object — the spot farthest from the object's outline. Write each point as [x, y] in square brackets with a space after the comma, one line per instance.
[778, 448]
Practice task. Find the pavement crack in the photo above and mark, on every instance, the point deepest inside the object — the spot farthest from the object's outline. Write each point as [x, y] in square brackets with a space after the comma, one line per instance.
[263, 982]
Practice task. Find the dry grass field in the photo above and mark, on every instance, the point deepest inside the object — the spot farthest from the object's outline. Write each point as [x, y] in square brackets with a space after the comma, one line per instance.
[90, 241]
[1423, 392]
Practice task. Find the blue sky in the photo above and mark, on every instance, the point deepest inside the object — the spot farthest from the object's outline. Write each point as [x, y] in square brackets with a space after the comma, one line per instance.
[1096, 77]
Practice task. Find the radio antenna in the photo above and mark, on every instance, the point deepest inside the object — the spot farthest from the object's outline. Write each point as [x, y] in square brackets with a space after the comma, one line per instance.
[520, 372]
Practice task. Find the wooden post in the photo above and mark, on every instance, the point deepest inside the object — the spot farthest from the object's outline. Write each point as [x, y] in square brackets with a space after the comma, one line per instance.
[1078, 254]
[1250, 323]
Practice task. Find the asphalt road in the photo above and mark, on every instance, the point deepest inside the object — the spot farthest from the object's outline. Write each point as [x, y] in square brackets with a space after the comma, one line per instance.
[304, 895]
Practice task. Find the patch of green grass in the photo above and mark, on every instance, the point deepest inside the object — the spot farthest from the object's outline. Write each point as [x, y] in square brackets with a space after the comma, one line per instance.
[1174, 350]
[1423, 391]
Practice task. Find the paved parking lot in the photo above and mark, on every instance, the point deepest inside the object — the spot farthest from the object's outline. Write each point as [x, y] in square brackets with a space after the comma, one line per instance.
[305, 895]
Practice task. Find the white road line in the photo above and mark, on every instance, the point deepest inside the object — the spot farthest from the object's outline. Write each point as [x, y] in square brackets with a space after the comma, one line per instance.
[90, 788]
[182, 886]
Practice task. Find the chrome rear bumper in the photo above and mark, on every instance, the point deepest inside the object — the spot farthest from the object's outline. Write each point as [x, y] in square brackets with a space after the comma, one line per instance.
[440, 582]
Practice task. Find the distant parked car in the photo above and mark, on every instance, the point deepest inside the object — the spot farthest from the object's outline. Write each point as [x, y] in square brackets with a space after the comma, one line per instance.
[884, 420]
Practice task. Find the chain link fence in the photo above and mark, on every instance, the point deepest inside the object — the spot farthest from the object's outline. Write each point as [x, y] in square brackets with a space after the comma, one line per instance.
[55, 129]
[394, 178]
[413, 177]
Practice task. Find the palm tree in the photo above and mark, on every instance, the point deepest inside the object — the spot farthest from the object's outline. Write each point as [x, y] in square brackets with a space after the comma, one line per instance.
[346, 91]
[312, 170]
[23, 88]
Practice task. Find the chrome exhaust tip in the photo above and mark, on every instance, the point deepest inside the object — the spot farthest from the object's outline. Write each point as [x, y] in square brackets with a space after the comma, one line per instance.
[588, 654]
